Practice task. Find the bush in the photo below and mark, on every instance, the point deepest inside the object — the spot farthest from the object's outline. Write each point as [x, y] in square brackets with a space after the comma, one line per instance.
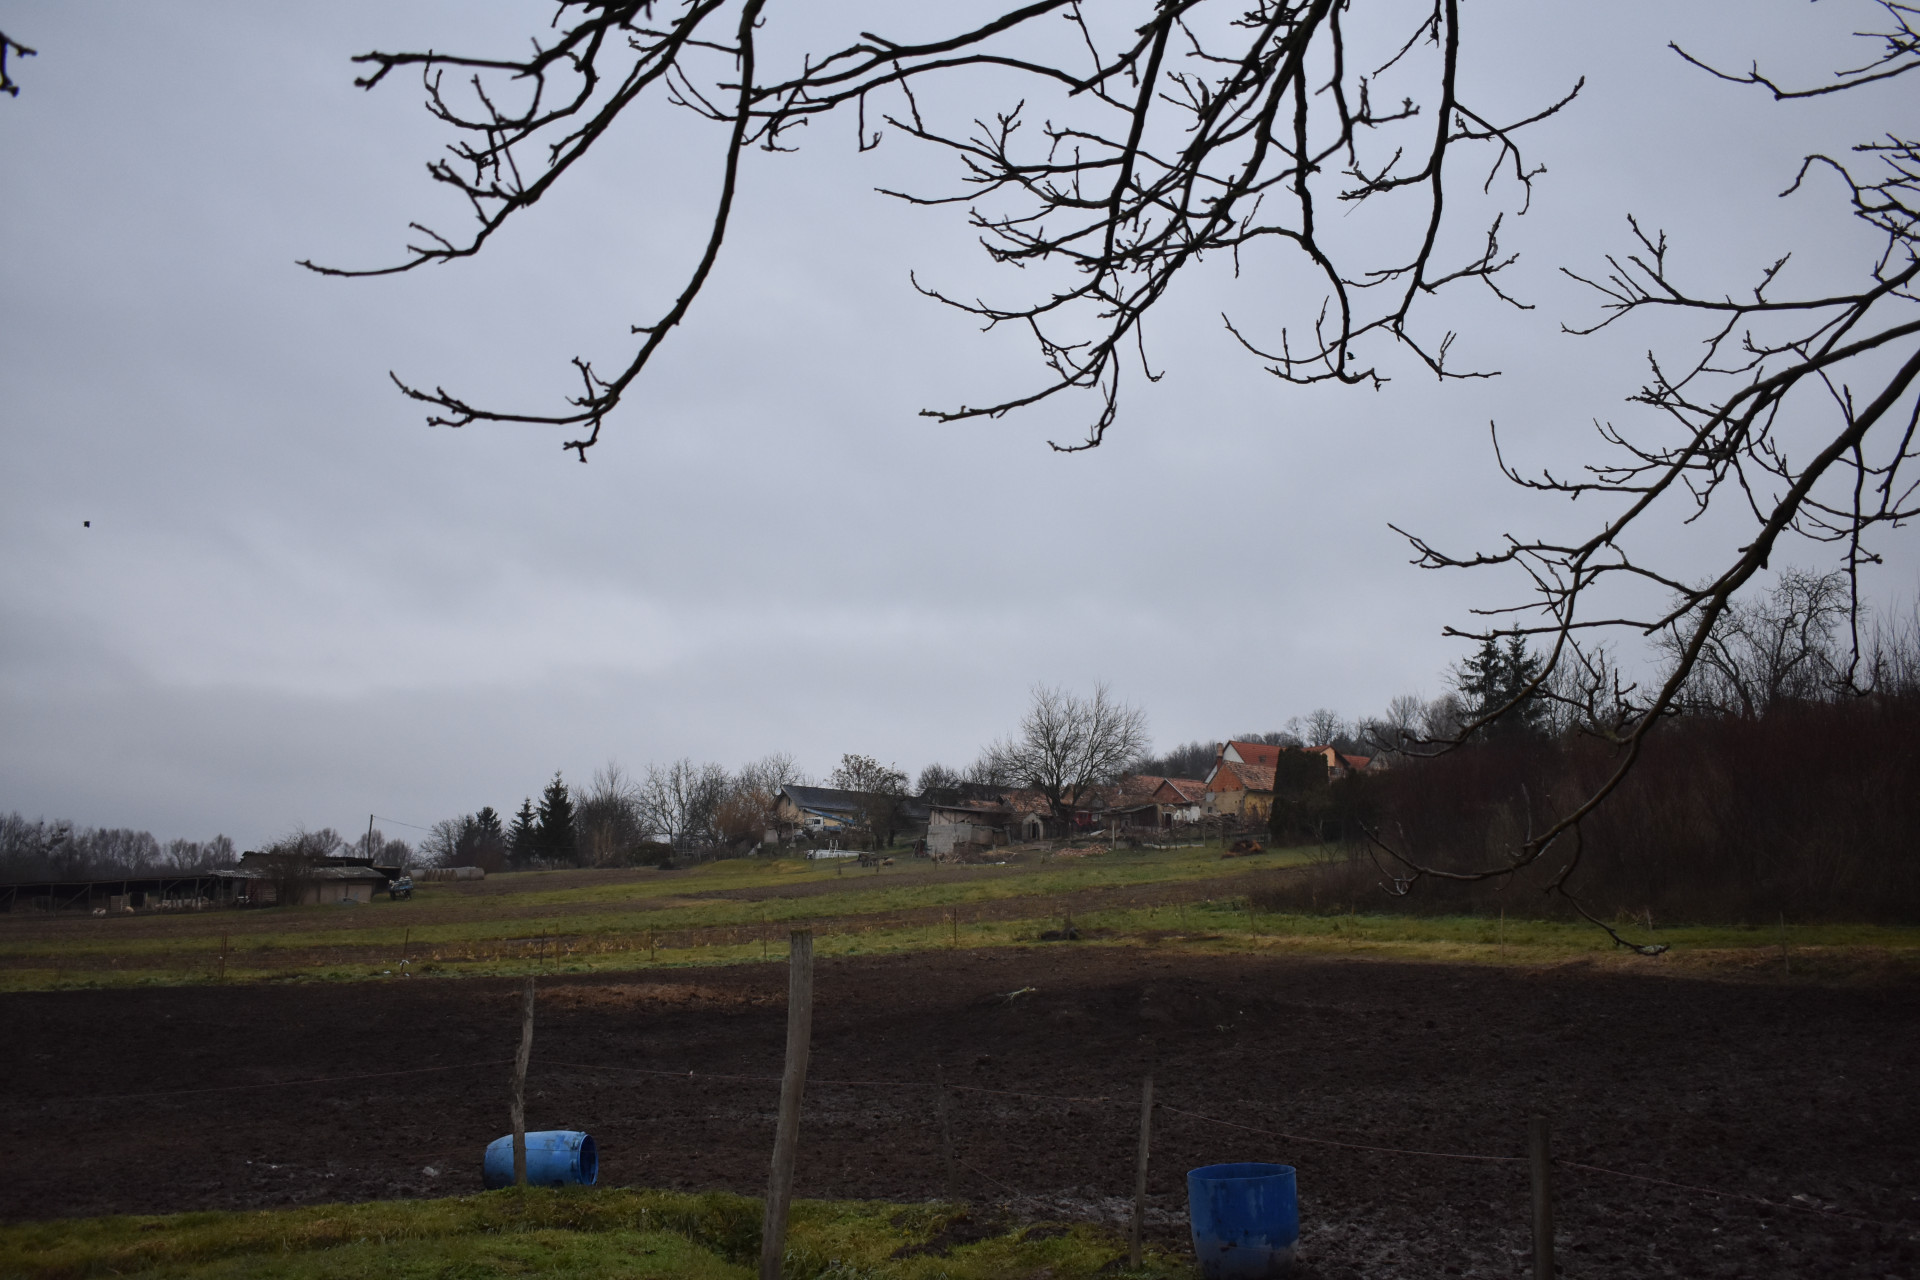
[1811, 811]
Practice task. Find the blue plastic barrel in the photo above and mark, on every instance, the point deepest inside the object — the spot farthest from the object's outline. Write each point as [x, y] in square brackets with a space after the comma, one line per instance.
[555, 1157]
[1245, 1220]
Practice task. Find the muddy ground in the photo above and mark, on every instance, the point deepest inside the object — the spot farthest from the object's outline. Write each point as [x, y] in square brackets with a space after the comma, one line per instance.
[1800, 1095]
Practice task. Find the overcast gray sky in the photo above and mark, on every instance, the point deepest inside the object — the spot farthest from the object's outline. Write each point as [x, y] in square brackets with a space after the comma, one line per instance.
[297, 605]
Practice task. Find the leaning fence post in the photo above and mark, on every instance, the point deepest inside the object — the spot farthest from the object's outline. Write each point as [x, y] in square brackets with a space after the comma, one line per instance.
[1540, 1157]
[1140, 1173]
[520, 1088]
[793, 1083]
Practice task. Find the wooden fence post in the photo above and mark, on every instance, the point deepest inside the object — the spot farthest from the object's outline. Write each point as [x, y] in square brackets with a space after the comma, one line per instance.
[946, 1125]
[1140, 1173]
[1540, 1157]
[793, 1083]
[520, 1088]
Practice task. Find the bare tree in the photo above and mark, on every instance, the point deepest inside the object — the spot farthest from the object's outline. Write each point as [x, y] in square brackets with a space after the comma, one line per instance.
[1397, 728]
[1324, 727]
[290, 863]
[1766, 652]
[1188, 760]
[771, 772]
[937, 782]
[864, 773]
[216, 854]
[679, 800]
[881, 787]
[609, 818]
[1068, 743]
[994, 767]
[1794, 415]
[1156, 132]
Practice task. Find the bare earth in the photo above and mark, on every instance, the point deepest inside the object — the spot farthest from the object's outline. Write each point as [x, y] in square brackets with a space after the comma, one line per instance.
[1795, 1094]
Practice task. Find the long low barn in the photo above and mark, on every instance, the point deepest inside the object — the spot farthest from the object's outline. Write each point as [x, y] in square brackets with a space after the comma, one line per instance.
[249, 886]
[200, 888]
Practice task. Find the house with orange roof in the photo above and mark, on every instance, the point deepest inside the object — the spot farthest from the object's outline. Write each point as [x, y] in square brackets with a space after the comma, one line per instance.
[1141, 801]
[1266, 754]
[1240, 789]
[1241, 782]
[1340, 764]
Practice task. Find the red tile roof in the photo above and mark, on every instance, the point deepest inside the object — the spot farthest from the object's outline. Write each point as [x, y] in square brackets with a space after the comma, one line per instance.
[1234, 776]
[1024, 800]
[1188, 790]
[1260, 753]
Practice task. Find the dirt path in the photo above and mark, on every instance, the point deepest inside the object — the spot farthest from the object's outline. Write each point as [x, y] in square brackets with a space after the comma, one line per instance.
[1766, 1091]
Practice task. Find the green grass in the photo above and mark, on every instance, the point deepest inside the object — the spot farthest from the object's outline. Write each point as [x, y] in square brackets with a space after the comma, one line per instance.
[1189, 900]
[572, 1232]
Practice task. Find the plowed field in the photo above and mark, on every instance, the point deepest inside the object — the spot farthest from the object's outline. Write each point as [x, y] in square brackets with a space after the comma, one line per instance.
[1802, 1096]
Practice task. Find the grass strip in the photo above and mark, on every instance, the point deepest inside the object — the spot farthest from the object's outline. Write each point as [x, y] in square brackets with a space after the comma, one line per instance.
[570, 1232]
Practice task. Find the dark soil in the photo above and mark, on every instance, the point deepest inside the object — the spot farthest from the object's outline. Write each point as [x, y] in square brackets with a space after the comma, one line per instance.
[1799, 1095]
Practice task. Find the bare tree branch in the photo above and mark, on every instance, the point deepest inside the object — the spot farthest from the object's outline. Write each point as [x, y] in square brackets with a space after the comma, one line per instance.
[1214, 127]
[8, 85]
[1796, 415]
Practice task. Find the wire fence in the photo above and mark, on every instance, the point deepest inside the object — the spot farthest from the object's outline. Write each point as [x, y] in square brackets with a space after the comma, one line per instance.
[691, 1076]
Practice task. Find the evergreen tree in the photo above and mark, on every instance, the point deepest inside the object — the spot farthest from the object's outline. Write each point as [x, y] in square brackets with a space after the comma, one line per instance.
[554, 834]
[1496, 675]
[523, 836]
[1520, 667]
[1479, 678]
[489, 823]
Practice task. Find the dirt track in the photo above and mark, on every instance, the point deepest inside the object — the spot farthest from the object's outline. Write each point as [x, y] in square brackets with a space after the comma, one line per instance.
[1766, 1091]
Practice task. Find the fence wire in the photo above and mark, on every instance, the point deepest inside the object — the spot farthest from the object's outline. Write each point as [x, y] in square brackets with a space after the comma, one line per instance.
[690, 1076]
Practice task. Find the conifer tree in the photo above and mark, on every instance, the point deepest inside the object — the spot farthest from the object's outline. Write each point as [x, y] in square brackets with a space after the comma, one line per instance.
[523, 836]
[1496, 675]
[554, 835]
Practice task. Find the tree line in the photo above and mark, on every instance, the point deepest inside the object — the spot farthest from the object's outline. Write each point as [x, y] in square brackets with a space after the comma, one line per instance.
[617, 819]
[1785, 784]
[60, 850]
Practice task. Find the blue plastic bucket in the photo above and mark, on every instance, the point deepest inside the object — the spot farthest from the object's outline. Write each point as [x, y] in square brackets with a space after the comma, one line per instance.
[1245, 1220]
[555, 1158]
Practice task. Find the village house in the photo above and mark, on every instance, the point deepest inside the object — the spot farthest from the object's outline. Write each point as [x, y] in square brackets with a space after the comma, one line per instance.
[798, 808]
[1142, 802]
[1182, 800]
[1241, 781]
[1240, 789]
[988, 816]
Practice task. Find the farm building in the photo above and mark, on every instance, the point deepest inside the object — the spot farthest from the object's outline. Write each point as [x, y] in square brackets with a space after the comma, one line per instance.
[262, 878]
[966, 822]
[1241, 782]
[816, 808]
[1240, 789]
[126, 893]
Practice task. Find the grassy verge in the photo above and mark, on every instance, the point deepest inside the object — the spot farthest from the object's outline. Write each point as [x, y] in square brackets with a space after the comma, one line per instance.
[571, 1232]
[1186, 900]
